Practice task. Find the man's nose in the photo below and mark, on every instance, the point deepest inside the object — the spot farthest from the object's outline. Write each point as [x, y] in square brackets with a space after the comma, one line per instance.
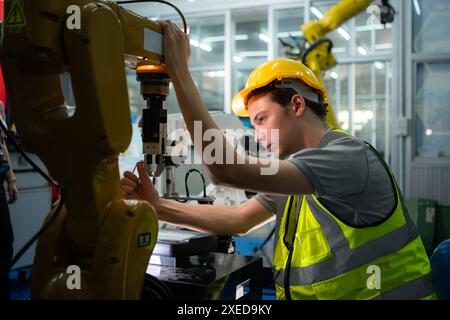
[257, 135]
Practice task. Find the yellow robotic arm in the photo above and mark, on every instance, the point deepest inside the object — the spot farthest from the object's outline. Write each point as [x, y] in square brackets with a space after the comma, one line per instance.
[337, 15]
[318, 56]
[108, 238]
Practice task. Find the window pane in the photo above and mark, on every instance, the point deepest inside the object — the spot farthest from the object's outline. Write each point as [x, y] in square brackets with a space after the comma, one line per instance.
[287, 28]
[431, 27]
[432, 110]
[210, 84]
[207, 37]
[250, 43]
[370, 35]
[371, 102]
[240, 77]
[255, 48]
[383, 39]
[336, 82]
[341, 36]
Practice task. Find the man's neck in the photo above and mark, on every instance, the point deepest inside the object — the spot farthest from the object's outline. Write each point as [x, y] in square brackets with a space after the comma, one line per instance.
[312, 134]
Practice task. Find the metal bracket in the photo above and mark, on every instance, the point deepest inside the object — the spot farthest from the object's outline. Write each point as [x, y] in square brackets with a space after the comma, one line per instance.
[402, 127]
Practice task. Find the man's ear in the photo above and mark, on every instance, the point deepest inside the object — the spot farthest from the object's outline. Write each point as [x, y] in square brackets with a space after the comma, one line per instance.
[298, 104]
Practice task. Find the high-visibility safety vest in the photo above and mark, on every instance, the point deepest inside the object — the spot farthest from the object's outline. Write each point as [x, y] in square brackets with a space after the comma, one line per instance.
[318, 256]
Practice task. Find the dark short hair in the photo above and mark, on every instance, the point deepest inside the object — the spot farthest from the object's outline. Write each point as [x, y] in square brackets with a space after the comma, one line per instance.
[283, 96]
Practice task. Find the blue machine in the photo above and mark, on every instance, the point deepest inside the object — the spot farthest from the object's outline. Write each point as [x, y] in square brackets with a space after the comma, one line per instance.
[440, 266]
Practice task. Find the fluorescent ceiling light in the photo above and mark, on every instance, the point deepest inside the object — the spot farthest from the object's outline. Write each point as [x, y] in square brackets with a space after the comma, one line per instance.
[417, 7]
[241, 37]
[344, 34]
[205, 47]
[214, 74]
[222, 38]
[245, 54]
[428, 132]
[201, 45]
[237, 59]
[362, 50]
[289, 33]
[362, 116]
[264, 37]
[342, 116]
[214, 39]
[334, 75]
[379, 65]
[316, 12]
[194, 42]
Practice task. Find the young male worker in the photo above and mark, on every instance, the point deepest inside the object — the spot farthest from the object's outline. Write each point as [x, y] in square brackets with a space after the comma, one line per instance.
[343, 231]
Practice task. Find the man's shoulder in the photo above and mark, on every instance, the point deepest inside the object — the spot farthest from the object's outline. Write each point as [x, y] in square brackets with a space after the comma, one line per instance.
[334, 146]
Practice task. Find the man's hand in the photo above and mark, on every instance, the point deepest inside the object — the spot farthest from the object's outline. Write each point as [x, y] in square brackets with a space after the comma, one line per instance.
[139, 188]
[177, 49]
[13, 192]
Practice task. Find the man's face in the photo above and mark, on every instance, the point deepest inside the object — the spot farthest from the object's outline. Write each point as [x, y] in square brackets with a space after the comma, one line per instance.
[267, 116]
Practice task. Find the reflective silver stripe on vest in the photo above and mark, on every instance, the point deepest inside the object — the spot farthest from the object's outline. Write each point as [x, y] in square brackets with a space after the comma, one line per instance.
[412, 290]
[345, 259]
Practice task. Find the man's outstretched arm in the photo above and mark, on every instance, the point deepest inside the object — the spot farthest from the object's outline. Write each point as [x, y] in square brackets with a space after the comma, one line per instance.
[217, 219]
[245, 173]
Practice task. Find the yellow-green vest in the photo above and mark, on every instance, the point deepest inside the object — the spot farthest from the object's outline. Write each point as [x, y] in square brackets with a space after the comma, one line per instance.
[329, 259]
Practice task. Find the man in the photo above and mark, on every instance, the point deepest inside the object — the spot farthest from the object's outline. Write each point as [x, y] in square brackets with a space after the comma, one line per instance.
[6, 231]
[342, 229]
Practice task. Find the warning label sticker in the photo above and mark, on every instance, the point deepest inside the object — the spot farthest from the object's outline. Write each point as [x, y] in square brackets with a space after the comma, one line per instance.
[15, 17]
[144, 239]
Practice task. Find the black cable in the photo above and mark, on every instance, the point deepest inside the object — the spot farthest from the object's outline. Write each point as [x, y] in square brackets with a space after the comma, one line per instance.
[160, 1]
[23, 154]
[387, 12]
[186, 182]
[151, 294]
[46, 177]
[284, 43]
[315, 45]
[39, 233]
[156, 289]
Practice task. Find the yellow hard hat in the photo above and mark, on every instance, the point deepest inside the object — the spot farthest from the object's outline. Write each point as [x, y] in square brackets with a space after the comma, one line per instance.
[278, 69]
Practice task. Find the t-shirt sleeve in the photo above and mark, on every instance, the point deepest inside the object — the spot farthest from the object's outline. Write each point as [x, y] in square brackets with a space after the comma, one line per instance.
[338, 169]
[268, 201]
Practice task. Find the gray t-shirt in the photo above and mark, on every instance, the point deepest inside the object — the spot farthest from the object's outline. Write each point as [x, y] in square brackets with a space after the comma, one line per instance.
[347, 177]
